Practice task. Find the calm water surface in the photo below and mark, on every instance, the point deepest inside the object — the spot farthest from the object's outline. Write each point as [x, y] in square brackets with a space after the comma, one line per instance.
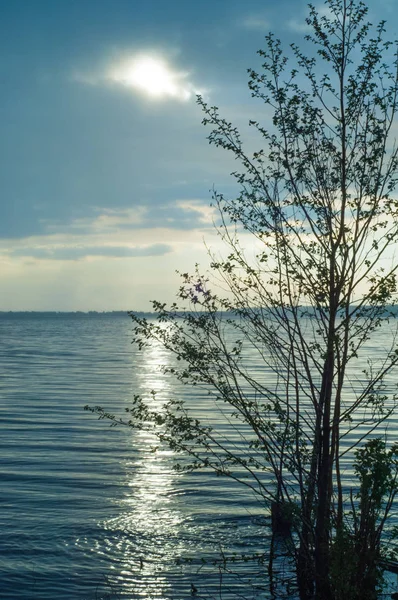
[86, 510]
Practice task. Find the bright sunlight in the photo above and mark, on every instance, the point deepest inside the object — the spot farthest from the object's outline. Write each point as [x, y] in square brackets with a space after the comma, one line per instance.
[153, 77]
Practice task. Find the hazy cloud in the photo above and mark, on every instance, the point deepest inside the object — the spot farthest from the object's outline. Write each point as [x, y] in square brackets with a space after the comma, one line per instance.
[79, 252]
[256, 21]
[299, 25]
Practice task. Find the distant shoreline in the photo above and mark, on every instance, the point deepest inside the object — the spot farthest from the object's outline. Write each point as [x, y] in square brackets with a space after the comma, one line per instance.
[391, 309]
[94, 313]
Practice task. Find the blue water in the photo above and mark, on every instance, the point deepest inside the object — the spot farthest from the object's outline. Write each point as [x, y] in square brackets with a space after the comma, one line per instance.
[87, 511]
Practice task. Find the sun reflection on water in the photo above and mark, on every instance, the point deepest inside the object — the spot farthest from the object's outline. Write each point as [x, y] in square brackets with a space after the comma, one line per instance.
[148, 515]
[150, 519]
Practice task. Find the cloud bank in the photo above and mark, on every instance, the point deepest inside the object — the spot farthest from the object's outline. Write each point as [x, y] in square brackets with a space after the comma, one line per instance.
[77, 253]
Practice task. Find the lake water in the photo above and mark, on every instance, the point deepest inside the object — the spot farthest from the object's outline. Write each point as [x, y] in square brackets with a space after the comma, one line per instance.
[87, 511]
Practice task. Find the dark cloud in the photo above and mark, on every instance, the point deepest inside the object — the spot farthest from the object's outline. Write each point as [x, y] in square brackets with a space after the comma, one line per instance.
[68, 147]
[90, 150]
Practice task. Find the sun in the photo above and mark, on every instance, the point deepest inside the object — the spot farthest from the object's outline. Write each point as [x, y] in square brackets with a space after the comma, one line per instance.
[153, 77]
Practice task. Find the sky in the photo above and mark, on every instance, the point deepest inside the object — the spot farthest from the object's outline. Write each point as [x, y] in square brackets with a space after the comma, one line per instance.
[105, 170]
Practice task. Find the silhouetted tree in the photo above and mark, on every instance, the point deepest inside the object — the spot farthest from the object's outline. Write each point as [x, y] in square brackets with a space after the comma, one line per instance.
[317, 199]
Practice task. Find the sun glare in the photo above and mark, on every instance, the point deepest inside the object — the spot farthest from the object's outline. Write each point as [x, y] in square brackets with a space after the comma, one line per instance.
[153, 77]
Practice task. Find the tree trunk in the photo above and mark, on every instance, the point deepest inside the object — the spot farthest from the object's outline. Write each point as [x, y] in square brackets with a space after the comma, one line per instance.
[322, 528]
[305, 572]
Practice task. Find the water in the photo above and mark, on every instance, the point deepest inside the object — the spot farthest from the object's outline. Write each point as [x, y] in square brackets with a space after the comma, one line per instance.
[88, 511]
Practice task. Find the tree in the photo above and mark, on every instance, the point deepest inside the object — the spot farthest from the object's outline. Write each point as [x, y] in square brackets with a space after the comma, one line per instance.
[317, 199]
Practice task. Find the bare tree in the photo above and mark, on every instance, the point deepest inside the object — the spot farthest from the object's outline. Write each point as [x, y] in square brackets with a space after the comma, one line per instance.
[317, 201]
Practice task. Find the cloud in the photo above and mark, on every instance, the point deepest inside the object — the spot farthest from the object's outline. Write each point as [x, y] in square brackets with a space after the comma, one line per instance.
[254, 21]
[145, 73]
[299, 24]
[88, 270]
[178, 214]
[79, 252]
